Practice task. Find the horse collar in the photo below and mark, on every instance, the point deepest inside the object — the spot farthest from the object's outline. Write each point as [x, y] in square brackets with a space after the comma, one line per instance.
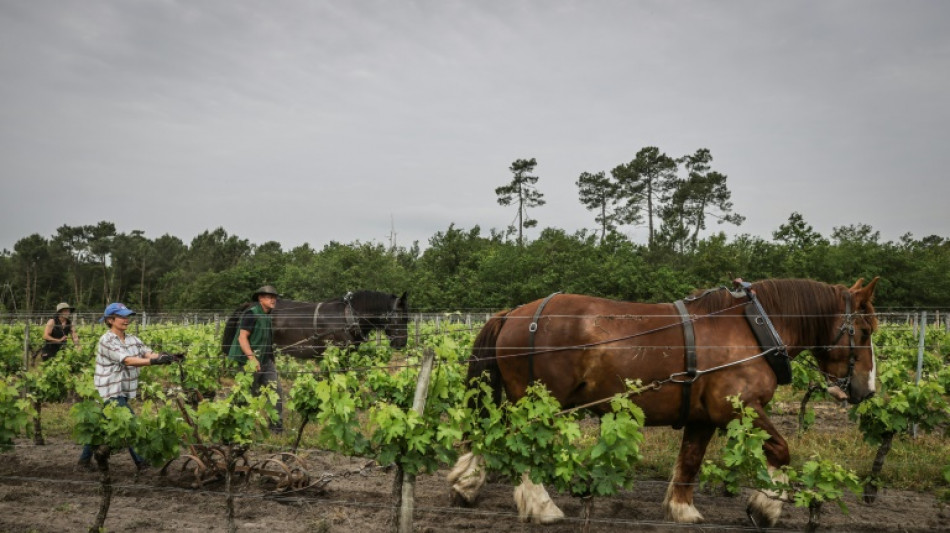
[393, 310]
[773, 349]
[316, 316]
[353, 328]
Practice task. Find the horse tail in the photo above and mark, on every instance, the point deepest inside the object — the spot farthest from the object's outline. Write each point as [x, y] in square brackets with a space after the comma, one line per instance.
[231, 327]
[483, 359]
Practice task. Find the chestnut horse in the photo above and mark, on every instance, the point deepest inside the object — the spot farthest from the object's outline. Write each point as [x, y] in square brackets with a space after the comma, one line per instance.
[304, 329]
[690, 356]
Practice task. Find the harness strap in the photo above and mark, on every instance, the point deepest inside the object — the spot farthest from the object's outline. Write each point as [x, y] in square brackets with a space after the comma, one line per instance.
[316, 316]
[774, 350]
[532, 328]
[352, 321]
[689, 336]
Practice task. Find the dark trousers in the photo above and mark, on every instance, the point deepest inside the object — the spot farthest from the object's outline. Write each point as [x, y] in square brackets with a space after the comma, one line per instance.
[50, 349]
[87, 448]
[267, 375]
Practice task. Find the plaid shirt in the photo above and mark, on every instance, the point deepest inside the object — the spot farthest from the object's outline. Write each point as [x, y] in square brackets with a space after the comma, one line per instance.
[113, 378]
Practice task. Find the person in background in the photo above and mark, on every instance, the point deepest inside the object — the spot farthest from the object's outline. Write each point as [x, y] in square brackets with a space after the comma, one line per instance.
[254, 341]
[119, 357]
[58, 331]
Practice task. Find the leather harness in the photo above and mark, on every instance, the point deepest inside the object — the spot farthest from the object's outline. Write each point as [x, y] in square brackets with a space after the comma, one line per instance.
[774, 350]
[532, 328]
[689, 344]
[352, 328]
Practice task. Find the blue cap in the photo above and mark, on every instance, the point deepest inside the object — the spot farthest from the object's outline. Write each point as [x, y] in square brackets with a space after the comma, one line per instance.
[116, 309]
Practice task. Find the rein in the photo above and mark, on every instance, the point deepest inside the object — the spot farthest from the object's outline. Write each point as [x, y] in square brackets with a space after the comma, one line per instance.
[622, 338]
[688, 377]
[774, 350]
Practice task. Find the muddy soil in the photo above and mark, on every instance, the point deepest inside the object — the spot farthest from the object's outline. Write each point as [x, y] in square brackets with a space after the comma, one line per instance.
[42, 490]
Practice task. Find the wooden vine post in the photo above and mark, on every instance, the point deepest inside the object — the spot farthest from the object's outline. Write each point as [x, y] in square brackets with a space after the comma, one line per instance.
[26, 344]
[920, 358]
[101, 455]
[405, 484]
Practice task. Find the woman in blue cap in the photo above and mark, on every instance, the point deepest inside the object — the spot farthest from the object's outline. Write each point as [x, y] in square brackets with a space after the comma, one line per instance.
[118, 359]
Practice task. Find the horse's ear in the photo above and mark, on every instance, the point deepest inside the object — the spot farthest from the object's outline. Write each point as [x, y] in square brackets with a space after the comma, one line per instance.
[869, 288]
[867, 291]
[404, 297]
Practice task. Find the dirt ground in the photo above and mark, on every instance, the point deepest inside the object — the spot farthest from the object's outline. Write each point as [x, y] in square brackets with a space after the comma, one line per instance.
[41, 490]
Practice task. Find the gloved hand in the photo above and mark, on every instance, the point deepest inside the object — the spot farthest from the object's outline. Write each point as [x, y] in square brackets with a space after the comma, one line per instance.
[162, 359]
[178, 357]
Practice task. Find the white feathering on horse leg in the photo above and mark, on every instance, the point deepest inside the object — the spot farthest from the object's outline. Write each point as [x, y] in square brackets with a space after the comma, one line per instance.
[535, 504]
[680, 512]
[765, 506]
[468, 476]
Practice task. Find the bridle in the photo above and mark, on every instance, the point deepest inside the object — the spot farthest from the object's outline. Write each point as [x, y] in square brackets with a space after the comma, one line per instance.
[847, 326]
[389, 318]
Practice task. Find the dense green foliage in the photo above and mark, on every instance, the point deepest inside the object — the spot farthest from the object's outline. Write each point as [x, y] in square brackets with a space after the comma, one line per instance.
[15, 412]
[535, 436]
[459, 269]
[743, 463]
[154, 433]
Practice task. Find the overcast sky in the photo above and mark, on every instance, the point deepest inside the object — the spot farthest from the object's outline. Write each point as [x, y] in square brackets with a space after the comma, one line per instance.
[313, 121]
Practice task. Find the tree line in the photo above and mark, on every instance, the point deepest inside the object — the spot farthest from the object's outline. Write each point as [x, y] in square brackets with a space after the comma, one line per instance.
[467, 269]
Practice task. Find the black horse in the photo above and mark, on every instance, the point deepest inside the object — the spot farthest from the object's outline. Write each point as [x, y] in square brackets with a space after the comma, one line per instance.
[304, 329]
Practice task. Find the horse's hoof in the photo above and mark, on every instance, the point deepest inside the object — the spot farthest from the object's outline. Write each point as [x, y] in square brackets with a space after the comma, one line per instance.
[535, 504]
[761, 518]
[683, 513]
[461, 501]
[466, 479]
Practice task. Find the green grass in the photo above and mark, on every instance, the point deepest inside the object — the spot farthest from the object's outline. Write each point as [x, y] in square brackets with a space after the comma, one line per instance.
[911, 464]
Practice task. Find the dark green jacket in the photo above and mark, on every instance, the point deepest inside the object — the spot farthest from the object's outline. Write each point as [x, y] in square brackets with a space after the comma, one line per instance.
[261, 339]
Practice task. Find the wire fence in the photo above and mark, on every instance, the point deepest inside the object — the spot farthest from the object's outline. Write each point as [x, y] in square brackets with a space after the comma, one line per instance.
[421, 328]
[935, 317]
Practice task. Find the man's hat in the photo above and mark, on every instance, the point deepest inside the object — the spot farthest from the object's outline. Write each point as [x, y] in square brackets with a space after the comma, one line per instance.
[64, 305]
[116, 309]
[266, 289]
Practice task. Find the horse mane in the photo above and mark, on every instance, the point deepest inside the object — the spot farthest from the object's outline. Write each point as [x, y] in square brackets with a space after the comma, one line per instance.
[808, 305]
[371, 300]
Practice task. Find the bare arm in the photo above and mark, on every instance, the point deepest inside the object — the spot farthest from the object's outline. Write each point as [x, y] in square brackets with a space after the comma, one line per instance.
[244, 341]
[48, 332]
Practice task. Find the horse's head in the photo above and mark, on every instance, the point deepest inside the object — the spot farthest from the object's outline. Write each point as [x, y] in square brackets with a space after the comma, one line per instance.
[849, 358]
[397, 321]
